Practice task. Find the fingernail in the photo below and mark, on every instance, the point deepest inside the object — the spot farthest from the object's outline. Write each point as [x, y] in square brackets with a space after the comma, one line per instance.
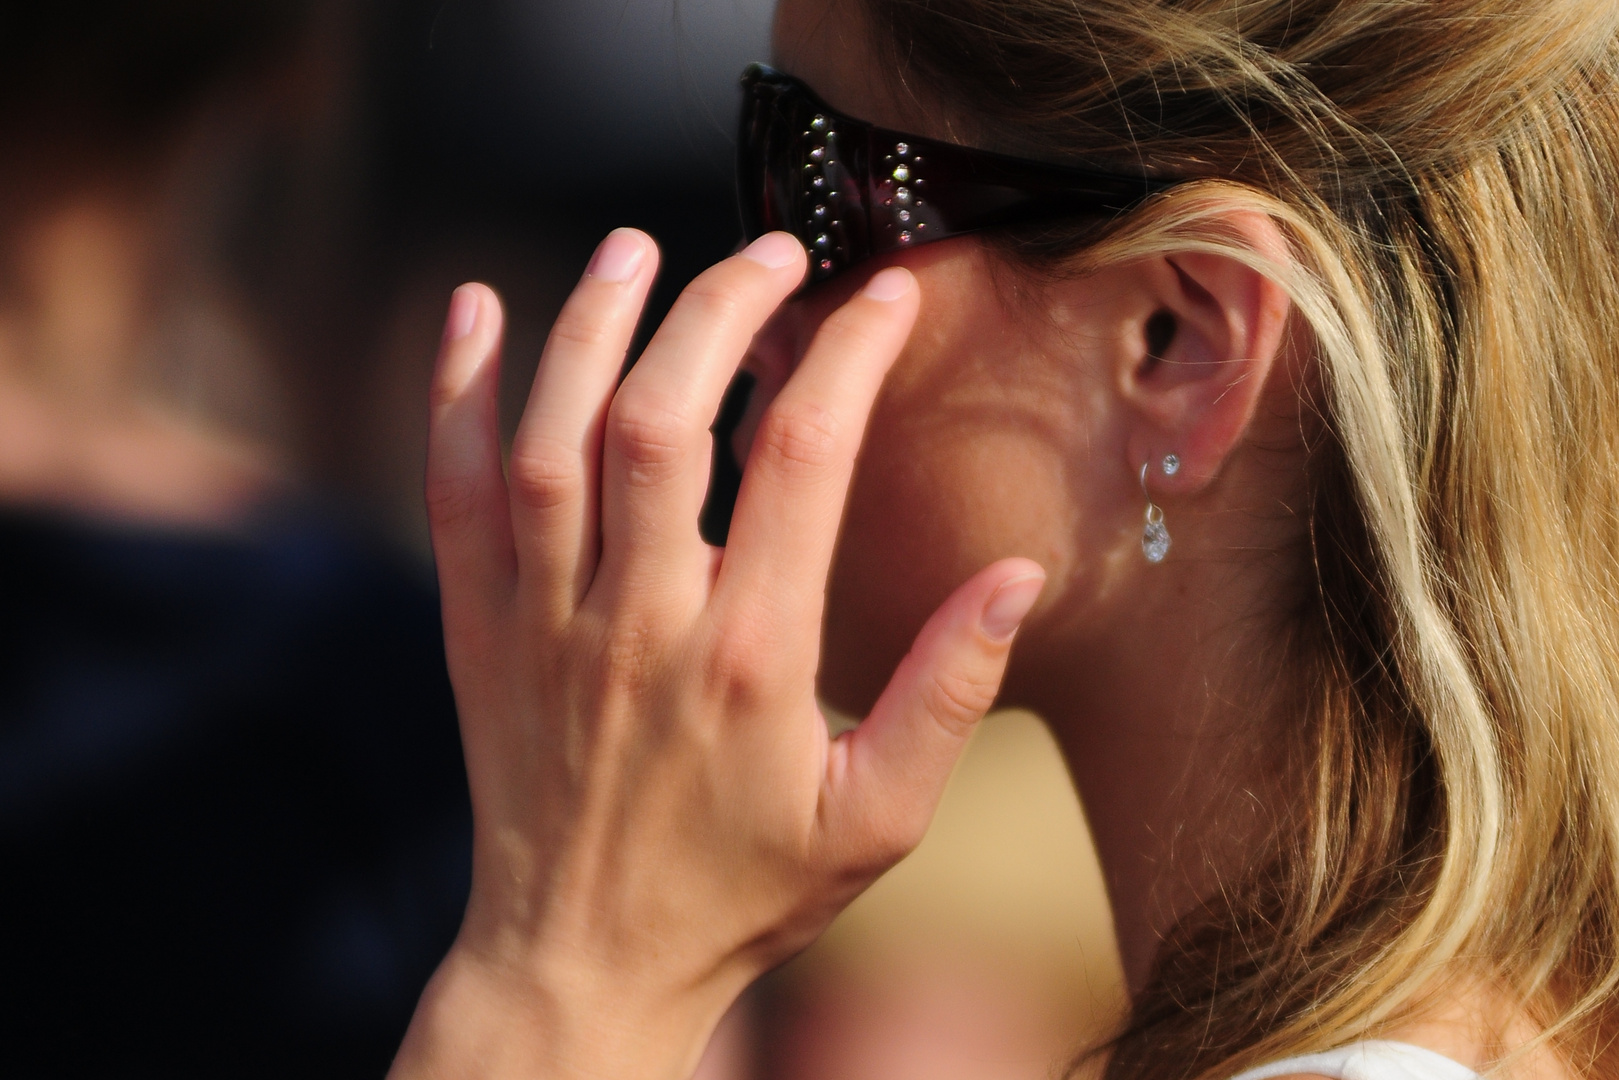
[889, 284]
[618, 258]
[463, 316]
[774, 250]
[1009, 605]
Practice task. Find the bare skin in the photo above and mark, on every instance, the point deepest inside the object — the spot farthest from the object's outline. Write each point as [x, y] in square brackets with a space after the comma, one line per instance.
[659, 814]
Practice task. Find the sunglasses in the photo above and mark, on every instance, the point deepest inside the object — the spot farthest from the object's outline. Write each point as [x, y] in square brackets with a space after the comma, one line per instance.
[850, 190]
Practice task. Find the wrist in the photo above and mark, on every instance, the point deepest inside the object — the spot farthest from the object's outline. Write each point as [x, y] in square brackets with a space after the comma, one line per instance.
[481, 1018]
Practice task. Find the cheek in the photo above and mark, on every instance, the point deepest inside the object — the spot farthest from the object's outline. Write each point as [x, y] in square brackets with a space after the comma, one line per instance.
[979, 448]
[931, 505]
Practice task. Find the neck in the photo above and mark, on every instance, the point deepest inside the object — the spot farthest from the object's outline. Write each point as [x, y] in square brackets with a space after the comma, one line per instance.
[1163, 704]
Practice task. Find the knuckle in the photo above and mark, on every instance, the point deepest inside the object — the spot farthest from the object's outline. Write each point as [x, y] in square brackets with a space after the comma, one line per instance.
[849, 332]
[451, 500]
[744, 653]
[736, 648]
[956, 701]
[713, 296]
[545, 473]
[893, 836]
[443, 392]
[650, 436]
[799, 437]
[578, 328]
[632, 653]
[627, 653]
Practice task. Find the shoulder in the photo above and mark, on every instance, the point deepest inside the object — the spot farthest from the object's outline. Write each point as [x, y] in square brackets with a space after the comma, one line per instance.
[1373, 1059]
[1478, 1024]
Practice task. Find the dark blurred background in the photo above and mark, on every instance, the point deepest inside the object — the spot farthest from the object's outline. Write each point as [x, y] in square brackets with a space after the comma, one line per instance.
[233, 820]
[234, 833]
[505, 139]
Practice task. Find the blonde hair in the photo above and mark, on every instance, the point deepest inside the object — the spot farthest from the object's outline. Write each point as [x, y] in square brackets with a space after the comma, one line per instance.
[1447, 172]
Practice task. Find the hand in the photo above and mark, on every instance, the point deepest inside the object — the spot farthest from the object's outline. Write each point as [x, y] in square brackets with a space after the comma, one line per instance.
[659, 813]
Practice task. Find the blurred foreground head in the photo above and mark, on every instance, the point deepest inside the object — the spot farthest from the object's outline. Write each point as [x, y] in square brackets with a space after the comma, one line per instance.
[147, 151]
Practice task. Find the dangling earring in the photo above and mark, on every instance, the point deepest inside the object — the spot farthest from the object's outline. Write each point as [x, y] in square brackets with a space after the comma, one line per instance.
[1154, 537]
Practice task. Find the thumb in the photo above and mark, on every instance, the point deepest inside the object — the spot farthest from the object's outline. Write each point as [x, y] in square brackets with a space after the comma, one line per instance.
[891, 771]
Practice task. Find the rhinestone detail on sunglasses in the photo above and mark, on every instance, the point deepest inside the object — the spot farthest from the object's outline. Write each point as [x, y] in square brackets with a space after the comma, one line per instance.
[850, 190]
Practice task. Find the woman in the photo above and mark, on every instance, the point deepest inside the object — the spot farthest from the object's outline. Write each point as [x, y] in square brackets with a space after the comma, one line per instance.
[1331, 307]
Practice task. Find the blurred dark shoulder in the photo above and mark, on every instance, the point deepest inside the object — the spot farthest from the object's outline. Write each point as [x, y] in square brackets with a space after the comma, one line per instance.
[131, 635]
[232, 808]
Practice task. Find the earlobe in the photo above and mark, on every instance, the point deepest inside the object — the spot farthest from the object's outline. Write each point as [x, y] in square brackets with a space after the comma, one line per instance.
[1208, 344]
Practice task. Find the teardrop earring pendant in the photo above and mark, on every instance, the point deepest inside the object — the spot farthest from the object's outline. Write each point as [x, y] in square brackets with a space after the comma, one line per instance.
[1155, 539]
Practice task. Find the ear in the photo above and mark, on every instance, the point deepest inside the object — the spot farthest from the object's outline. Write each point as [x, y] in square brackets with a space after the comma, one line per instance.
[1208, 334]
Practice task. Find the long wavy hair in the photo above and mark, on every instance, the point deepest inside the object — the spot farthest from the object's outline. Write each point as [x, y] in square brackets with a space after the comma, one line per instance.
[1447, 172]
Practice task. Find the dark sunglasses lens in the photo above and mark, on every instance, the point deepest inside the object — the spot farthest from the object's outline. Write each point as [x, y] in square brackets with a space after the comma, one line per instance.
[750, 165]
[763, 188]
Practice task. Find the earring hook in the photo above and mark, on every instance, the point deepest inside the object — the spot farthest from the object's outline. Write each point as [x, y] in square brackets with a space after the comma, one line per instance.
[1154, 537]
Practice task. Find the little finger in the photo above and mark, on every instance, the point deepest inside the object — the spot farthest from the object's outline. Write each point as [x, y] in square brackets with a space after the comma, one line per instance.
[465, 488]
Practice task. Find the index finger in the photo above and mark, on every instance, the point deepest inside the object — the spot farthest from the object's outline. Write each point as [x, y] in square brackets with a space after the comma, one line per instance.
[797, 476]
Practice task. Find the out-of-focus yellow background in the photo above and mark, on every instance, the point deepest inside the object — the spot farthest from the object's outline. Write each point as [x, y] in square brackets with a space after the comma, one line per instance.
[988, 953]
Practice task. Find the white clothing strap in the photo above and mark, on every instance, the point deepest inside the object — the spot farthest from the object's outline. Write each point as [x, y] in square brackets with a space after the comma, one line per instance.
[1368, 1061]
